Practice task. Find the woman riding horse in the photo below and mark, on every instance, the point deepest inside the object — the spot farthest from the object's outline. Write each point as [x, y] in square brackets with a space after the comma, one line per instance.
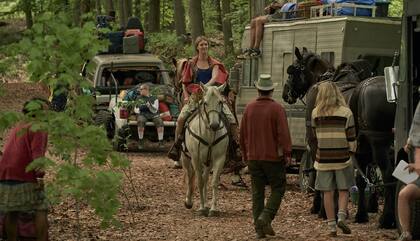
[202, 69]
[374, 121]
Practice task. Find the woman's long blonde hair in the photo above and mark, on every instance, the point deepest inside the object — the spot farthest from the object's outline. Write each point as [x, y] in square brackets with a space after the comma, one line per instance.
[329, 98]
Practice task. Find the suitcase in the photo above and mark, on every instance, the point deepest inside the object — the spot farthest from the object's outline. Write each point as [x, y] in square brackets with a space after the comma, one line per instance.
[139, 34]
[116, 39]
[130, 45]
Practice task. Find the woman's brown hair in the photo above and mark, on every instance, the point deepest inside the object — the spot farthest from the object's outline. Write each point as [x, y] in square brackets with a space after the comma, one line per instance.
[198, 40]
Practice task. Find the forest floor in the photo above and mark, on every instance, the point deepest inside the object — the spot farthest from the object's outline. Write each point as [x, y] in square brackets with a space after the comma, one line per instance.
[159, 213]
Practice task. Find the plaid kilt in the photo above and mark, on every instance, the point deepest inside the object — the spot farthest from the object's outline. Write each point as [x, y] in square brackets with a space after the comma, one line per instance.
[22, 197]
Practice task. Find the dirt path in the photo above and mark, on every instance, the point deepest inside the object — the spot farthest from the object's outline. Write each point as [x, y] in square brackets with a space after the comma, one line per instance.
[161, 215]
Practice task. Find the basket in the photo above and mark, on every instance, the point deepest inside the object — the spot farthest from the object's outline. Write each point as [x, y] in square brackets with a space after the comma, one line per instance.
[304, 8]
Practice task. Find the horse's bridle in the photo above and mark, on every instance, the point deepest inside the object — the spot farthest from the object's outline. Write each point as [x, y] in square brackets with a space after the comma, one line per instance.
[200, 139]
[207, 114]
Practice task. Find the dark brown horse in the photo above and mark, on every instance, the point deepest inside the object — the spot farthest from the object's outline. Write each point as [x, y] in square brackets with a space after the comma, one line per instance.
[374, 118]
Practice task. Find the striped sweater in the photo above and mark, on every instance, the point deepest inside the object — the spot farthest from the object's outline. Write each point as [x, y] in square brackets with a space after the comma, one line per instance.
[336, 137]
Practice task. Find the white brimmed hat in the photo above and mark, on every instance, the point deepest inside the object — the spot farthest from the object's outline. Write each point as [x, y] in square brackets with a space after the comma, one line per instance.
[264, 82]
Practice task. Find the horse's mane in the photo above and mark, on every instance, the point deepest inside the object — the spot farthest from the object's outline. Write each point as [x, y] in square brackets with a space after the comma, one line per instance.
[213, 91]
[360, 67]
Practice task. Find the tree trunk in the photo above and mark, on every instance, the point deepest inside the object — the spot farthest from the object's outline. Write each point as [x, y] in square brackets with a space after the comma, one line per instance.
[98, 7]
[227, 27]
[129, 7]
[109, 6]
[196, 19]
[256, 7]
[137, 8]
[85, 6]
[179, 15]
[154, 16]
[122, 13]
[219, 23]
[77, 12]
[27, 9]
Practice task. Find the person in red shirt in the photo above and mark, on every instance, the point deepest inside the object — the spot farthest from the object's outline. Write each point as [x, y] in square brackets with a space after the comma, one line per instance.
[266, 146]
[21, 190]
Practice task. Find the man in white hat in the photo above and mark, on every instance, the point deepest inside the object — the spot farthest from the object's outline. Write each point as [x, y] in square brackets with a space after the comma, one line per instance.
[266, 146]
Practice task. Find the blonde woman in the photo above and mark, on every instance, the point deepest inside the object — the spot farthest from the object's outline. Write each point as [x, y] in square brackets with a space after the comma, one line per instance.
[334, 129]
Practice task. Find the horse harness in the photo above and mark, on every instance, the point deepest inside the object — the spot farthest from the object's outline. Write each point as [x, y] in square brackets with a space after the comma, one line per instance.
[201, 140]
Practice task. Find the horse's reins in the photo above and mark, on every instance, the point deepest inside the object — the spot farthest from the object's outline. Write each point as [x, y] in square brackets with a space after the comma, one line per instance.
[201, 140]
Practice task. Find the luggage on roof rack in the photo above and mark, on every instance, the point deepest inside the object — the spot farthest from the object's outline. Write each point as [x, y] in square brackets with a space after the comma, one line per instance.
[344, 7]
[134, 23]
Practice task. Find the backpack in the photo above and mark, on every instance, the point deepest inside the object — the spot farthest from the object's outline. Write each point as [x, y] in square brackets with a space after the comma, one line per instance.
[134, 23]
[116, 39]
[165, 114]
[102, 21]
[289, 9]
[139, 37]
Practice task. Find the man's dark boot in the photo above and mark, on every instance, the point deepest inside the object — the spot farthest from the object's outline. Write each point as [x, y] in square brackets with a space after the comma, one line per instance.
[259, 231]
[264, 222]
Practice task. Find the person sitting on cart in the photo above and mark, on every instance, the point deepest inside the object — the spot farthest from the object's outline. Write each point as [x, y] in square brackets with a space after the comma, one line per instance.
[201, 69]
[148, 110]
[272, 12]
[411, 192]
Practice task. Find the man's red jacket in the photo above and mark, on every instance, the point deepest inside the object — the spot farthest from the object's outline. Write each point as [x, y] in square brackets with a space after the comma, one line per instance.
[21, 148]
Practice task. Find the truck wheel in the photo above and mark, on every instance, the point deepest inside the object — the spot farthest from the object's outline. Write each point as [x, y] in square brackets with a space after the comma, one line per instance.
[120, 139]
[105, 119]
[415, 213]
[306, 173]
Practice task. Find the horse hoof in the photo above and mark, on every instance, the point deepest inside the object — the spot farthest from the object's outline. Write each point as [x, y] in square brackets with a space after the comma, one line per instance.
[204, 212]
[188, 206]
[361, 218]
[213, 213]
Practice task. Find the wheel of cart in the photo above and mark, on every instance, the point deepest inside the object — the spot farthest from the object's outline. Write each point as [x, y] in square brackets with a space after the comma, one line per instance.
[307, 173]
[415, 214]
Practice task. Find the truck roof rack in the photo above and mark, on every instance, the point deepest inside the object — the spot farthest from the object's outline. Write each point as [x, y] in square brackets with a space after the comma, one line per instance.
[336, 9]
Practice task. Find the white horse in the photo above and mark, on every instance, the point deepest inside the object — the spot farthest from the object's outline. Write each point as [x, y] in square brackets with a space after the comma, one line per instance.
[206, 139]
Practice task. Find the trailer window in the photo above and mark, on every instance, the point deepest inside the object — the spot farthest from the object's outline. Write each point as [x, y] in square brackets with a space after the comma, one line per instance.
[328, 56]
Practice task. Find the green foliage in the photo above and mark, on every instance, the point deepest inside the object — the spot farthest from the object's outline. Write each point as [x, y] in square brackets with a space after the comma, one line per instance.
[82, 158]
[166, 46]
[240, 18]
[396, 8]
[167, 14]
[209, 16]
